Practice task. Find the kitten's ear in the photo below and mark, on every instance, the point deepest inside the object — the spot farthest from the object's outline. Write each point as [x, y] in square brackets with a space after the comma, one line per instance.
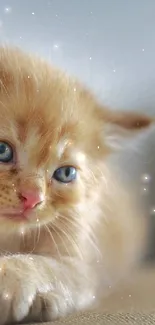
[122, 127]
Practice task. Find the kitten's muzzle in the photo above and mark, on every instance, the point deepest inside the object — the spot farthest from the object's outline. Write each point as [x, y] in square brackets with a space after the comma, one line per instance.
[30, 199]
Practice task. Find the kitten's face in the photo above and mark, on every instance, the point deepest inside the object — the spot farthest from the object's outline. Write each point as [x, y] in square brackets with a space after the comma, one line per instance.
[50, 144]
[44, 132]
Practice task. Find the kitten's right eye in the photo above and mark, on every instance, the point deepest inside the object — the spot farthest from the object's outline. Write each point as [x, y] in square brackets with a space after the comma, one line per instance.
[6, 152]
[65, 174]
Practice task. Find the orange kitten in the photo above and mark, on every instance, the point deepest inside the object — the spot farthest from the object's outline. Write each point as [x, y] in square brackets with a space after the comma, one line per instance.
[68, 230]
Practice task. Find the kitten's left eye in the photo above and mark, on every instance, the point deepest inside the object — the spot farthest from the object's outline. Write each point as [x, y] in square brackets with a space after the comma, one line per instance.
[6, 152]
[65, 174]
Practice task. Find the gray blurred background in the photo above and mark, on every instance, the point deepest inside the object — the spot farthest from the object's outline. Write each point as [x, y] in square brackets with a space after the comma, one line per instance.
[110, 46]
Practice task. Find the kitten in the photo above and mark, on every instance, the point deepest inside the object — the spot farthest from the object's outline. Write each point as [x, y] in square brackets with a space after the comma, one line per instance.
[68, 230]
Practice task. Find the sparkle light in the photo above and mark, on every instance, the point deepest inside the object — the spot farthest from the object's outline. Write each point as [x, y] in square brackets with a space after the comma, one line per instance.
[33, 13]
[129, 296]
[90, 58]
[146, 178]
[56, 46]
[153, 211]
[6, 296]
[114, 70]
[145, 190]
[94, 297]
[37, 220]
[22, 231]
[143, 50]
[7, 10]
[74, 89]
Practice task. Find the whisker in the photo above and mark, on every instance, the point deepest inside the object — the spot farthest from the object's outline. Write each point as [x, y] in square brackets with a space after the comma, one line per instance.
[35, 242]
[57, 233]
[53, 240]
[92, 175]
[90, 236]
[38, 233]
[70, 238]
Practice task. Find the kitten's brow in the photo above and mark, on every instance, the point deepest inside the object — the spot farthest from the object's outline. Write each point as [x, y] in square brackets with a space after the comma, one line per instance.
[62, 145]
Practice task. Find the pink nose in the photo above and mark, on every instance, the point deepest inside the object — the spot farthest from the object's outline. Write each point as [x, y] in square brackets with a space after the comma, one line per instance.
[31, 198]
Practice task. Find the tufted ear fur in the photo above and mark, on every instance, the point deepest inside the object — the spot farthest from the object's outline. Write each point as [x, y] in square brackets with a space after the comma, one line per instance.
[122, 127]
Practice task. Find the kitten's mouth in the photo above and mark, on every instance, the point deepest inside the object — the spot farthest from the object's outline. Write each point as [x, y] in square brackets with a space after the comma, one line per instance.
[15, 215]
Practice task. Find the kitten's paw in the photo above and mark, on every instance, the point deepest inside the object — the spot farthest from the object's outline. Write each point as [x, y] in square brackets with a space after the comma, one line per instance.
[31, 293]
[18, 289]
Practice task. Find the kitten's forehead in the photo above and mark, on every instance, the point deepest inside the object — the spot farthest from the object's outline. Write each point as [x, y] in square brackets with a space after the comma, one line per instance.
[32, 86]
[38, 146]
[41, 108]
[37, 151]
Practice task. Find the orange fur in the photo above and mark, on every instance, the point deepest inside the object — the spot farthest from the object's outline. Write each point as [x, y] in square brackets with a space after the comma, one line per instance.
[85, 236]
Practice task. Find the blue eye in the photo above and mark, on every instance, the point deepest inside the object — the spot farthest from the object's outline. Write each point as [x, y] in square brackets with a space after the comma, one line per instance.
[6, 152]
[65, 174]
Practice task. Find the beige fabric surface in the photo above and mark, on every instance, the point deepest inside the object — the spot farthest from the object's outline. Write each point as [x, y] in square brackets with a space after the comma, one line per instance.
[108, 319]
